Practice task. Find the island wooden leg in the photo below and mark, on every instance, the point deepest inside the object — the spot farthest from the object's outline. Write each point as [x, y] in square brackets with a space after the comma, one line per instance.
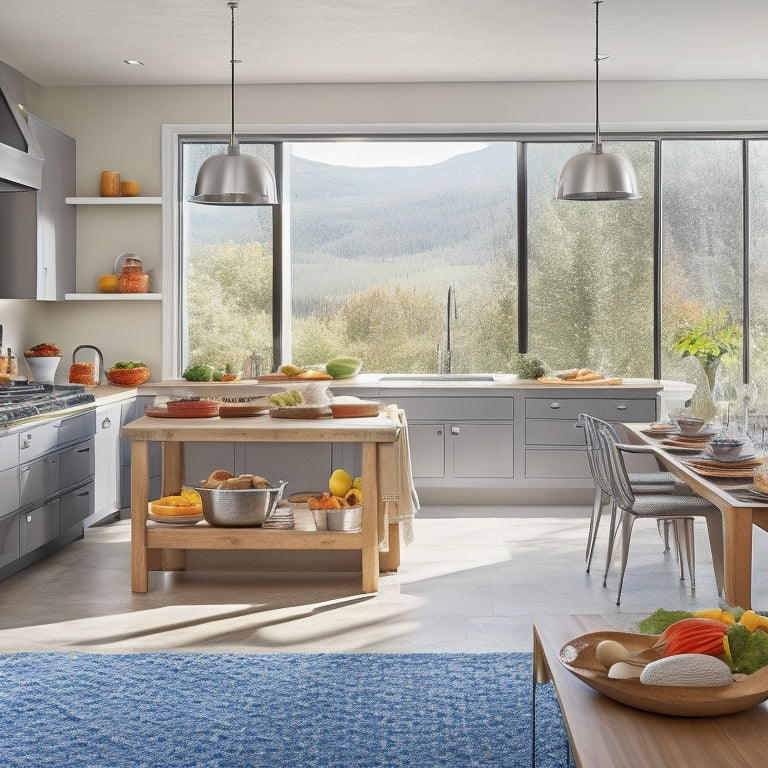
[139, 501]
[370, 553]
[171, 482]
[389, 561]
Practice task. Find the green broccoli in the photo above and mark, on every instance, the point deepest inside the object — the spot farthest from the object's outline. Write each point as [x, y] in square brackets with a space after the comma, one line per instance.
[128, 364]
[749, 650]
[658, 621]
[291, 397]
[199, 373]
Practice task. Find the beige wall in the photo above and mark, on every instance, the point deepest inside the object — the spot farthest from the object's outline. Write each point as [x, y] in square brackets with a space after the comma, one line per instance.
[120, 129]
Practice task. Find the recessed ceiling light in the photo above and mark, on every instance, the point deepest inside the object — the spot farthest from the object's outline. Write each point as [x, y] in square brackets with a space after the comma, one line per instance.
[135, 62]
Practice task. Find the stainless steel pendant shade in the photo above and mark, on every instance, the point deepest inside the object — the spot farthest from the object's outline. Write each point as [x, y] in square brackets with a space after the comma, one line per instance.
[233, 178]
[597, 175]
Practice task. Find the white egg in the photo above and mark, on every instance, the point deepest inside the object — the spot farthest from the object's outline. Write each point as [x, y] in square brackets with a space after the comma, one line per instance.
[622, 670]
[608, 652]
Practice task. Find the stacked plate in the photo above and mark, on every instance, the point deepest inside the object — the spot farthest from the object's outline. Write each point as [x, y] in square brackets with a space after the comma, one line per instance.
[694, 443]
[281, 518]
[734, 468]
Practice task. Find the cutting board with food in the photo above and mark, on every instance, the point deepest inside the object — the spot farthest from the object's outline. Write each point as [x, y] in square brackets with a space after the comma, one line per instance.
[580, 376]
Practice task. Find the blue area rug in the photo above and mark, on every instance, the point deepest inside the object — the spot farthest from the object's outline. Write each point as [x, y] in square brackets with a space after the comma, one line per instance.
[275, 711]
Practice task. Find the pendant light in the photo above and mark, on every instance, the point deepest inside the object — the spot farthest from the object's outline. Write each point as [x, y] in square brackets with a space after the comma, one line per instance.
[597, 175]
[234, 179]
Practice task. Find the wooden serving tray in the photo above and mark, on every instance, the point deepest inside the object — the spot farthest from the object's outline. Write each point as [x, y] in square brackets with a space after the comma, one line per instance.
[301, 412]
[578, 656]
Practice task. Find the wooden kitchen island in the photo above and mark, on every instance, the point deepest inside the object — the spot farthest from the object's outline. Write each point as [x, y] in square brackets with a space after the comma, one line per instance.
[155, 546]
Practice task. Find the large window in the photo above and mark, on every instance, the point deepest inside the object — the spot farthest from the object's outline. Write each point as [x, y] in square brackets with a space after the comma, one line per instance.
[372, 236]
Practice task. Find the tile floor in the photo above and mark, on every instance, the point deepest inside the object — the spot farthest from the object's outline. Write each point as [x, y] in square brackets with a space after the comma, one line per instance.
[470, 582]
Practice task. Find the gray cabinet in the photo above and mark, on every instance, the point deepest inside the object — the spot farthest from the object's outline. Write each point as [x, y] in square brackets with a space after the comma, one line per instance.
[460, 439]
[554, 444]
[37, 228]
[46, 487]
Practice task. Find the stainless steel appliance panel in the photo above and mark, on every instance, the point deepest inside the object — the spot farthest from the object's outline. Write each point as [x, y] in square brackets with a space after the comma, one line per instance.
[76, 506]
[39, 479]
[9, 539]
[77, 464]
[38, 527]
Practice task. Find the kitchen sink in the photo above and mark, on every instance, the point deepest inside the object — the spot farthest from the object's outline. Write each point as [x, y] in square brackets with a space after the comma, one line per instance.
[437, 377]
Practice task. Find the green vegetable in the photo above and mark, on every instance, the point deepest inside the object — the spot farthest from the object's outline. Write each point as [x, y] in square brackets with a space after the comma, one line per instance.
[291, 397]
[527, 367]
[343, 367]
[128, 365]
[199, 373]
[659, 620]
[749, 650]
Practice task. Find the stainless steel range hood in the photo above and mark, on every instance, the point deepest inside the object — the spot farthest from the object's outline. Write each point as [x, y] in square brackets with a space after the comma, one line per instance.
[21, 159]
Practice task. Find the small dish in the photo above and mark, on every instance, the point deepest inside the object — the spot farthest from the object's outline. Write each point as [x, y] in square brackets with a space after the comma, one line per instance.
[690, 425]
[726, 448]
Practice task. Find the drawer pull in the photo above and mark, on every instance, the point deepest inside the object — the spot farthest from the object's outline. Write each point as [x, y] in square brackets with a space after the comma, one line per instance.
[554, 406]
[107, 423]
[621, 407]
[455, 430]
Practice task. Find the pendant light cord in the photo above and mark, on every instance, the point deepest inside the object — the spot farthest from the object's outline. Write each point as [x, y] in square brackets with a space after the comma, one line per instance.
[232, 140]
[598, 143]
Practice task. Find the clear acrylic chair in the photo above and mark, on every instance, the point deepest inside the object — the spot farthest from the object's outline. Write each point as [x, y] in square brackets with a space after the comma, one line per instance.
[642, 482]
[659, 506]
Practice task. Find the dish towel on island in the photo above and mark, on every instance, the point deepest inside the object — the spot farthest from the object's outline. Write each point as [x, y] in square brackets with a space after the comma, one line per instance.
[398, 502]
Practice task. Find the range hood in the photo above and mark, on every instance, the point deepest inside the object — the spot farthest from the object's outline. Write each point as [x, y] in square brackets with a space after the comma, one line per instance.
[21, 159]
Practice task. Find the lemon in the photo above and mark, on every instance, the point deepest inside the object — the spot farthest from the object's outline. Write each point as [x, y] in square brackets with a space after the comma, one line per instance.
[191, 495]
[339, 483]
[358, 483]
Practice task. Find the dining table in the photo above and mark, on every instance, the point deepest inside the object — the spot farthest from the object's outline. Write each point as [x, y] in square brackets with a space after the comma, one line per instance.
[741, 509]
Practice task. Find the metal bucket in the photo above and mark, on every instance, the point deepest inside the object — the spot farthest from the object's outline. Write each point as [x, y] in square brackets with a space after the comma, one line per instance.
[349, 520]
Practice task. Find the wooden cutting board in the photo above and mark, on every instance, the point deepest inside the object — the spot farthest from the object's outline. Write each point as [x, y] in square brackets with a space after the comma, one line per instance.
[281, 377]
[301, 412]
[594, 383]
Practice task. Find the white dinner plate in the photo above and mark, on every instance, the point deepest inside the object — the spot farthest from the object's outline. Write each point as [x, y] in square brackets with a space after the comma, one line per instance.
[175, 519]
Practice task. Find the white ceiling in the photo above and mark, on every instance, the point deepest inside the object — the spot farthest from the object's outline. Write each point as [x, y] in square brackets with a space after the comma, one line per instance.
[84, 42]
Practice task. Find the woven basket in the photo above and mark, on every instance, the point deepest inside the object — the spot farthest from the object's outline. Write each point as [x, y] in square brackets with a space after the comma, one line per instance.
[128, 377]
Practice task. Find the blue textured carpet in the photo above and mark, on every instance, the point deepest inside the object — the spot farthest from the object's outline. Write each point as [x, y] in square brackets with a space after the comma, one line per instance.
[274, 711]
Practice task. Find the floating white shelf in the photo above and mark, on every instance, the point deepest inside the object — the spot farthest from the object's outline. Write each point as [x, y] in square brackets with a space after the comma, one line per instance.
[112, 296]
[113, 200]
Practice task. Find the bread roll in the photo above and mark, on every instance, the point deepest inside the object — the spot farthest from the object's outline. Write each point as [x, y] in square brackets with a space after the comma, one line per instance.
[260, 482]
[215, 479]
[236, 484]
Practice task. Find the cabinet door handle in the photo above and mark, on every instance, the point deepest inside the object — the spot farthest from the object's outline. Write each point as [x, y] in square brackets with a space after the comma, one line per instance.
[455, 429]
[439, 431]
[83, 450]
[106, 424]
[621, 407]
[554, 405]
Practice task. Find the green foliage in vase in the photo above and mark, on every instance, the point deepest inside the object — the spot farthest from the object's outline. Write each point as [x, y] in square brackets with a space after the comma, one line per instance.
[708, 337]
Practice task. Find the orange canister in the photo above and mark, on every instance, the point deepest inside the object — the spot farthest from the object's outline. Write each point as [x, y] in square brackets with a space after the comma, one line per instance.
[110, 184]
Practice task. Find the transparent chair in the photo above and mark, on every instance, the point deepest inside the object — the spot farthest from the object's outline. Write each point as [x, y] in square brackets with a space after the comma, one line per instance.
[642, 482]
[659, 506]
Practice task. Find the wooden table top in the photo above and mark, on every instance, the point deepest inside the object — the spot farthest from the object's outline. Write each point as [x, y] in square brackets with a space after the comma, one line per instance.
[374, 429]
[606, 734]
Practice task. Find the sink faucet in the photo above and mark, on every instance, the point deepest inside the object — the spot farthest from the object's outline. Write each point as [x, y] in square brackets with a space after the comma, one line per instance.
[452, 313]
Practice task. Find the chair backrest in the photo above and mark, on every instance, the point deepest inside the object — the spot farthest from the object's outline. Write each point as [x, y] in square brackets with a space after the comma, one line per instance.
[598, 462]
[618, 479]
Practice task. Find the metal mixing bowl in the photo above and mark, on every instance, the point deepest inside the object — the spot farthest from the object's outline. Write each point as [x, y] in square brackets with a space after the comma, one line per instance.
[239, 508]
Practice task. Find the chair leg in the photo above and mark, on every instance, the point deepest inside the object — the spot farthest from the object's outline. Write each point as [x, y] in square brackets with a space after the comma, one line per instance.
[684, 532]
[594, 522]
[627, 521]
[611, 539]
[600, 501]
[663, 526]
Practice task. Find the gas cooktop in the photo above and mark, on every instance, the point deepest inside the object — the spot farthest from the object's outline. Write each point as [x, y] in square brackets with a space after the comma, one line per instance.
[23, 401]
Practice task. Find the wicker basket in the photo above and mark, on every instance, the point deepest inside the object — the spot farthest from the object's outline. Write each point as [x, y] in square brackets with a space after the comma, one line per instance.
[128, 377]
[239, 509]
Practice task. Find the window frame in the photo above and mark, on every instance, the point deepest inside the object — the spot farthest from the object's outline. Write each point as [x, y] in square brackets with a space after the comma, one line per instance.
[279, 135]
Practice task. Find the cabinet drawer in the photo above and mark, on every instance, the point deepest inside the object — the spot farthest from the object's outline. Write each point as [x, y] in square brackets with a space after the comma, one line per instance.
[38, 527]
[9, 491]
[77, 427]
[457, 408]
[76, 505]
[9, 451]
[38, 441]
[38, 479]
[9, 539]
[610, 409]
[553, 432]
[77, 464]
[552, 463]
